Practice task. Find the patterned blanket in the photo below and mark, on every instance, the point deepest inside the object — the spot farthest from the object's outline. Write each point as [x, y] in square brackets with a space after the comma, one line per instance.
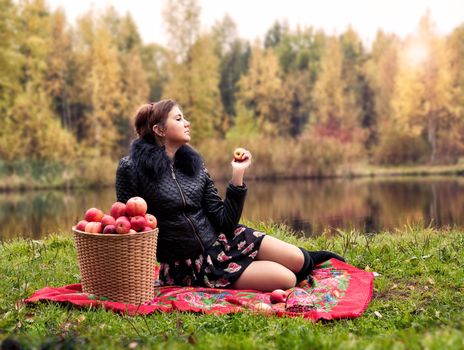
[337, 290]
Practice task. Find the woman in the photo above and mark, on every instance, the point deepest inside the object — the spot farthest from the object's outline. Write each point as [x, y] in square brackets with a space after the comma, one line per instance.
[201, 242]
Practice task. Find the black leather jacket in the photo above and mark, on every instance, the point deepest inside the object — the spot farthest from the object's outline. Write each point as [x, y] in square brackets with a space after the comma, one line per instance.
[182, 196]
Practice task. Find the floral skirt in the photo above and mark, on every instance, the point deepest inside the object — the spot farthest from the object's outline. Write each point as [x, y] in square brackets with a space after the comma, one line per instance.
[219, 266]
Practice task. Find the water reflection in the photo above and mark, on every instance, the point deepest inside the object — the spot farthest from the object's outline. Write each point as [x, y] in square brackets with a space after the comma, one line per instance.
[309, 207]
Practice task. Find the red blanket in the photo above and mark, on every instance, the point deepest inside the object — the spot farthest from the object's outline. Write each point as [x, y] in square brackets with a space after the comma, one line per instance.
[338, 290]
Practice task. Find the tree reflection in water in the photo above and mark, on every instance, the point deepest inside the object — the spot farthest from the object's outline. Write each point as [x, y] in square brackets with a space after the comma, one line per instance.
[308, 206]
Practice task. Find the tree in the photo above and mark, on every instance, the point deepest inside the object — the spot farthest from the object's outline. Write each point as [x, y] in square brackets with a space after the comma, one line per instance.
[155, 60]
[9, 58]
[328, 93]
[193, 69]
[357, 97]
[182, 24]
[234, 55]
[36, 132]
[422, 98]
[106, 97]
[380, 71]
[453, 144]
[57, 75]
[261, 91]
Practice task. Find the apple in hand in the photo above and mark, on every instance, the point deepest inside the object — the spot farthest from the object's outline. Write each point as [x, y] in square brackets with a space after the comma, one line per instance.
[107, 220]
[151, 221]
[278, 296]
[93, 214]
[239, 154]
[136, 206]
[118, 209]
[123, 225]
[138, 222]
[81, 225]
[93, 227]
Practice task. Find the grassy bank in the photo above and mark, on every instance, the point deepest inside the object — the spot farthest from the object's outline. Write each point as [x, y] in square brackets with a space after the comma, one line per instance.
[80, 173]
[417, 303]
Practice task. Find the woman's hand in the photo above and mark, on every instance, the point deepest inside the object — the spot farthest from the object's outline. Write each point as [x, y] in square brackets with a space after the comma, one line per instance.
[238, 168]
[244, 164]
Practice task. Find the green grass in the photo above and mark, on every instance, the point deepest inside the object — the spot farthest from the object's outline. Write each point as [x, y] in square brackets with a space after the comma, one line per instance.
[417, 303]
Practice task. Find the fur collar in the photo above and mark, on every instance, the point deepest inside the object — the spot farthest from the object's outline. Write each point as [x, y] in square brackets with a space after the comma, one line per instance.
[152, 159]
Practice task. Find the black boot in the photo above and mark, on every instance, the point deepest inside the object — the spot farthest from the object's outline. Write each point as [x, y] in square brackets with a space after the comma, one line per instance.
[323, 255]
[307, 268]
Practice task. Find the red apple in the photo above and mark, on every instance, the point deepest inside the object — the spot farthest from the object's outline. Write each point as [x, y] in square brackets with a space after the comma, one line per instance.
[138, 222]
[107, 220]
[93, 214]
[93, 227]
[118, 209]
[132, 231]
[111, 229]
[122, 225]
[278, 296]
[81, 225]
[136, 206]
[151, 221]
[239, 154]
[147, 228]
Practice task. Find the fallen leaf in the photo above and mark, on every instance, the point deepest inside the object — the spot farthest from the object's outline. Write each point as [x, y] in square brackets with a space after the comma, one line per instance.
[378, 314]
[431, 281]
[133, 345]
[394, 286]
[81, 318]
[367, 268]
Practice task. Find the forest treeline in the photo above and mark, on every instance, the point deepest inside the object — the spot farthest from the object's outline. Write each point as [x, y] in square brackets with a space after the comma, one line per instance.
[299, 98]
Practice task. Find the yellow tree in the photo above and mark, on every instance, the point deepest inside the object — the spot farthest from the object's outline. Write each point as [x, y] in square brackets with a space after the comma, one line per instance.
[328, 97]
[381, 70]
[261, 90]
[454, 147]
[10, 65]
[37, 132]
[422, 97]
[195, 85]
[59, 61]
[193, 69]
[106, 99]
[134, 84]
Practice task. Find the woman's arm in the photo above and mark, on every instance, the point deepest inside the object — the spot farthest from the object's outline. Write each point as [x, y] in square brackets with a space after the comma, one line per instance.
[225, 215]
[125, 183]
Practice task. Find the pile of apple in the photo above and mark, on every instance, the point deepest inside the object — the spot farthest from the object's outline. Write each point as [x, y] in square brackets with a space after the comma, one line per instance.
[123, 218]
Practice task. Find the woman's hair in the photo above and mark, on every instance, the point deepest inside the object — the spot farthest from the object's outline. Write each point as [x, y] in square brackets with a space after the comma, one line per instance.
[149, 115]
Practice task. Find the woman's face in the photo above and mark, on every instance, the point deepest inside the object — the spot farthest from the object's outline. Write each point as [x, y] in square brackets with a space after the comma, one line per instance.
[176, 128]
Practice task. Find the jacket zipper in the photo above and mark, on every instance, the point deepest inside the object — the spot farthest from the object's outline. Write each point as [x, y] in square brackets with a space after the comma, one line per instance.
[185, 205]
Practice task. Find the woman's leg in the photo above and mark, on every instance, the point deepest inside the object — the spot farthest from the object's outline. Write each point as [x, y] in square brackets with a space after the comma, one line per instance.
[297, 259]
[265, 276]
[281, 252]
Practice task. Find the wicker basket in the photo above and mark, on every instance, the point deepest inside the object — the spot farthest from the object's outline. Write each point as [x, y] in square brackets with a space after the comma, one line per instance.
[118, 267]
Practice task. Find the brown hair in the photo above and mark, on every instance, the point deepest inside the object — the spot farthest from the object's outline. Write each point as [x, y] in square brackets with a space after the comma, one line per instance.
[151, 114]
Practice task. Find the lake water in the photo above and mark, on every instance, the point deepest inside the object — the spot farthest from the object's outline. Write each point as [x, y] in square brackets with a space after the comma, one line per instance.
[308, 206]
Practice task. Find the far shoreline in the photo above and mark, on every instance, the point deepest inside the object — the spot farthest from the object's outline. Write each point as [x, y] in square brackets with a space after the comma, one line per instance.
[25, 184]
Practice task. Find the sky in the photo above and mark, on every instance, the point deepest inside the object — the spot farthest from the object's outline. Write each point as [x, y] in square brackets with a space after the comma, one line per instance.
[254, 18]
